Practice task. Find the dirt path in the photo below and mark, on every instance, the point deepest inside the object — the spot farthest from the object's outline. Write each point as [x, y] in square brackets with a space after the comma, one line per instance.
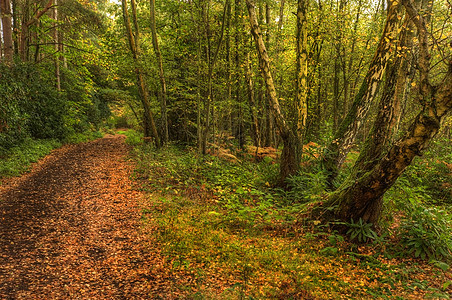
[70, 229]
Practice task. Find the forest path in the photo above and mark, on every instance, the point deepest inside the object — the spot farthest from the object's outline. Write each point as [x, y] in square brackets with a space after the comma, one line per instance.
[70, 229]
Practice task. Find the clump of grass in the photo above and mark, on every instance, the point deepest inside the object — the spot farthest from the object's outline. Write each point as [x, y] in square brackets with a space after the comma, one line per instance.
[18, 159]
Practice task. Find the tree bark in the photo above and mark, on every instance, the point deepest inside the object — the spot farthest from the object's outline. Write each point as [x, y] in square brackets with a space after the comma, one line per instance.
[302, 72]
[344, 137]
[211, 66]
[148, 118]
[228, 70]
[252, 102]
[362, 198]
[384, 126]
[289, 163]
[5, 9]
[158, 54]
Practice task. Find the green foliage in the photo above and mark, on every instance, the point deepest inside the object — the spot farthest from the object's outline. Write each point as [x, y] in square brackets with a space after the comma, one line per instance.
[117, 122]
[30, 106]
[306, 186]
[360, 231]
[134, 138]
[430, 176]
[427, 232]
[19, 157]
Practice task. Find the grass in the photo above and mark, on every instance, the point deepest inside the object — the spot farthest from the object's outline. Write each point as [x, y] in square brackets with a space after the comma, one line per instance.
[18, 159]
[222, 225]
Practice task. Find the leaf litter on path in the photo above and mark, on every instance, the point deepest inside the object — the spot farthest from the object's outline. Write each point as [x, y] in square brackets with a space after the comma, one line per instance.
[70, 229]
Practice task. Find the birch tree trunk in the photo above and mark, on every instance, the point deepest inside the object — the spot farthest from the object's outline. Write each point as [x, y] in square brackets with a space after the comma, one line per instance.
[361, 197]
[344, 138]
[289, 161]
[302, 72]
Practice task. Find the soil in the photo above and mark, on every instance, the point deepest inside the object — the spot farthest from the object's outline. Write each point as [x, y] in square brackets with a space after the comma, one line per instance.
[70, 229]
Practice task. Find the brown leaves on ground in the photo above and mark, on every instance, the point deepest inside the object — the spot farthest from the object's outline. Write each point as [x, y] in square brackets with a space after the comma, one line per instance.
[70, 229]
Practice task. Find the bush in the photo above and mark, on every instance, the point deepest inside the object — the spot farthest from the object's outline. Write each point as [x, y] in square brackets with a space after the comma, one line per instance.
[31, 106]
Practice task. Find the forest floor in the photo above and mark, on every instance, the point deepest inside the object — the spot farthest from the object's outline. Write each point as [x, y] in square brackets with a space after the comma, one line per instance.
[90, 222]
[70, 229]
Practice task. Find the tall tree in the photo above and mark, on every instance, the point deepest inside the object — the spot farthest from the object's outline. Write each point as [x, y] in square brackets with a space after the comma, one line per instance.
[7, 33]
[252, 102]
[302, 70]
[25, 28]
[149, 124]
[362, 197]
[158, 54]
[289, 158]
[345, 136]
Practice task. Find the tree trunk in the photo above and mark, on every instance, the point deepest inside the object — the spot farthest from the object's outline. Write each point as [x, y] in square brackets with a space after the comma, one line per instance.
[384, 126]
[5, 9]
[1, 42]
[239, 128]
[302, 73]
[252, 102]
[289, 162]
[344, 137]
[228, 71]
[56, 59]
[362, 198]
[161, 73]
[25, 29]
[148, 118]
[211, 66]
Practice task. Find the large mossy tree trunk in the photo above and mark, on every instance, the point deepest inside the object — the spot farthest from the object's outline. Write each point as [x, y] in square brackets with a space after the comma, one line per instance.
[385, 124]
[361, 197]
[344, 137]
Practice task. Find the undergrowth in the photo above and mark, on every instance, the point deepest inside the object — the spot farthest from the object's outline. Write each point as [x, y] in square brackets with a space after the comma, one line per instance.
[225, 226]
[17, 159]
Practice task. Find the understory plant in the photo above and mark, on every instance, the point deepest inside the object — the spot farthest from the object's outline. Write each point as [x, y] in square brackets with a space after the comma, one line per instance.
[427, 233]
